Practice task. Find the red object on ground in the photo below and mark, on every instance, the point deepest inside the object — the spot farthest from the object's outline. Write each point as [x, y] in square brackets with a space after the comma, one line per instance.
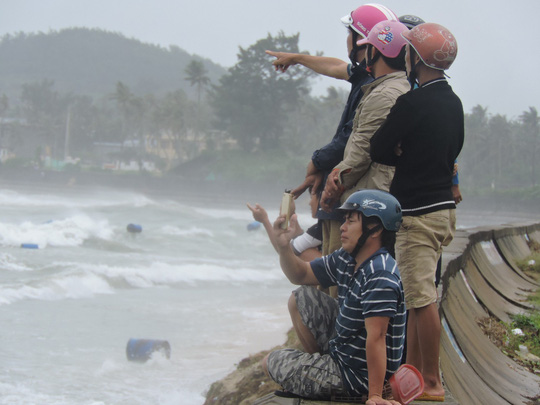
[407, 384]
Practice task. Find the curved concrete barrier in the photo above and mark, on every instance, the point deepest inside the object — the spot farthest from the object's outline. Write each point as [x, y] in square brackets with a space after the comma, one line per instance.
[480, 279]
[484, 280]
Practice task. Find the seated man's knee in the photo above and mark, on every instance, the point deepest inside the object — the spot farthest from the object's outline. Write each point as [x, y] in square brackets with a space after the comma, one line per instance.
[292, 304]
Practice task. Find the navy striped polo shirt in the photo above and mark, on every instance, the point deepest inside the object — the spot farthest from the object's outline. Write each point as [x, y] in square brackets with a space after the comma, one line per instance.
[374, 290]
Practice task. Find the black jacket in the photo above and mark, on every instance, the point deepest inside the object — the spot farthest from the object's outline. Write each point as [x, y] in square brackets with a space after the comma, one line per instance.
[428, 123]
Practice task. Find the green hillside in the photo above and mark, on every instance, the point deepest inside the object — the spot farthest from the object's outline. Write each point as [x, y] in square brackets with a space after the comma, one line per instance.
[92, 61]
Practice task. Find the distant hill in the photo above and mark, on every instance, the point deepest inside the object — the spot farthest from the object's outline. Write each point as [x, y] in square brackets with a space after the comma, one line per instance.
[91, 62]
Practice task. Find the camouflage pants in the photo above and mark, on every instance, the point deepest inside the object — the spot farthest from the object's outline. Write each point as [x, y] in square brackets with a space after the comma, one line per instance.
[310, 375]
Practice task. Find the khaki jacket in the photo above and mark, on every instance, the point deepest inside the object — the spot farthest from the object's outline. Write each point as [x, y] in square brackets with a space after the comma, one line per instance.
[357, 171]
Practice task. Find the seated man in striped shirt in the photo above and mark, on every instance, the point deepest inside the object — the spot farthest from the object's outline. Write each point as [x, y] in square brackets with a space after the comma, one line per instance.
[353, 344]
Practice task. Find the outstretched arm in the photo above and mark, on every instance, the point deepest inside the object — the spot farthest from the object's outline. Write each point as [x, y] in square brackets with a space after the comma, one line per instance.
[324, 65]
[297, 271]
[260, 215]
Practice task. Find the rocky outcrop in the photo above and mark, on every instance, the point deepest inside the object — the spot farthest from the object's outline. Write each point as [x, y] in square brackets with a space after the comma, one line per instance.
[248, 382]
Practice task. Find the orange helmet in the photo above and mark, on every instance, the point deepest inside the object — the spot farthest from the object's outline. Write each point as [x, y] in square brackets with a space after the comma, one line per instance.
[434, 44]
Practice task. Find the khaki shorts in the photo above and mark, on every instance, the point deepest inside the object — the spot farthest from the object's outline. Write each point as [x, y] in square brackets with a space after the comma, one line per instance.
[331, 243]
[419, 244]
[331, 236]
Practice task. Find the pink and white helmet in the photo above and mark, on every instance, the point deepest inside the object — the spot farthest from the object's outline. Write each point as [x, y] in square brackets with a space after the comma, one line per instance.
[386, 37]
[365, 17]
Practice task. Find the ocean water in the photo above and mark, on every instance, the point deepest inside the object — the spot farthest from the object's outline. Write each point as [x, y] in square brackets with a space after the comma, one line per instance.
[195, 276]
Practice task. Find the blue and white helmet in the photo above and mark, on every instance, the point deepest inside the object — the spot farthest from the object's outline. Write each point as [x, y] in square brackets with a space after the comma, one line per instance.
[376, 203]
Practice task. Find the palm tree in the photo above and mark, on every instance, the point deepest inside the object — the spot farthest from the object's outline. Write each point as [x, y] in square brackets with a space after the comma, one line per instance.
[133, 110]
[196, 75]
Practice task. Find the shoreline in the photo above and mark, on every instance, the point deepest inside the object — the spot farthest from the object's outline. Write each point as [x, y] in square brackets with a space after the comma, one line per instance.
[267, 193]
[172, 187]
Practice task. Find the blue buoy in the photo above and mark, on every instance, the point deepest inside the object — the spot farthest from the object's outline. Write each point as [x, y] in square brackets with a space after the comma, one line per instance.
[134, 228]
[29, 245]
[253, 225]
[141, 350]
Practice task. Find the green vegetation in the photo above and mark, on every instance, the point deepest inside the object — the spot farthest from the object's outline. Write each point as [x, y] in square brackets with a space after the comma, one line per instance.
[91, 61]
[530, 325]
[500, 155]
[118, 99]
[252, 101]
[520, 339]
[199, 110]
[531, 267]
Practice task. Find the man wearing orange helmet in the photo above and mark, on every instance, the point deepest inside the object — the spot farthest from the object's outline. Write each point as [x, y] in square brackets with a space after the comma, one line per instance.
[422, 136]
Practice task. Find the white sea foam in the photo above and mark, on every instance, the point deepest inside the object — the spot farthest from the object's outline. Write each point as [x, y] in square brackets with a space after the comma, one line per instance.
[192, 231]
[160, 273]
[86, 280]
[57, 288]
[235, 214]
[9, 262]
[72, 231]
[77, 200]
[21, 393]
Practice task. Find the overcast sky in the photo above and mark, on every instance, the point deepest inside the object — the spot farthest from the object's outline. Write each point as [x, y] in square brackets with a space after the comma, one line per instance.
[498, 42]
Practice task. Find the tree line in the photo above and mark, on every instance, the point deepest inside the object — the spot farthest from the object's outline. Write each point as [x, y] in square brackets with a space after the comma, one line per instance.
[91, 61]
[500, 153]
[259, 110]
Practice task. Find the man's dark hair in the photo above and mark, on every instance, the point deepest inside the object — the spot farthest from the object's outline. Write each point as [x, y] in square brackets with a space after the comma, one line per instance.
[397, 63]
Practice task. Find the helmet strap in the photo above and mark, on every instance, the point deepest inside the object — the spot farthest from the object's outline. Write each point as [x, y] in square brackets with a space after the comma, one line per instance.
[370, 61]
[413, 75]
[366, 233]
[354, 49]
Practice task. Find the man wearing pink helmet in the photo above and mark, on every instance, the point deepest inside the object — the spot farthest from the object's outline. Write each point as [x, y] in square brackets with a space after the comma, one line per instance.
[359, 23]
[385, 60]
[422, 136]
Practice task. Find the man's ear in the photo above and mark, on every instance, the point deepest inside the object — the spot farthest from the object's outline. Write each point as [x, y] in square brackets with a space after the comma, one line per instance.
[377, 233]
[416, 57]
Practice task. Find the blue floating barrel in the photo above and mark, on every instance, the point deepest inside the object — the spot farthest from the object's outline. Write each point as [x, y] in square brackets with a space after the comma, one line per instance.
[141, 350]
[29, 245]
[134, 228]
[253, 225]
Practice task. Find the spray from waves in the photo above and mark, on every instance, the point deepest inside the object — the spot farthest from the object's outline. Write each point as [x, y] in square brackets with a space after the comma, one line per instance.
[304, 216]
[217, 213]
[22, 393]
[189, 232]
[10, 263]
[72, 231]
[9, 198]
[185, 274]
[55, 289]
[69, 280]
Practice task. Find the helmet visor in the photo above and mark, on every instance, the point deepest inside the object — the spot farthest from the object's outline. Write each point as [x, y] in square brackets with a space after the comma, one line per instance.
[348, 206]
[347, 20]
